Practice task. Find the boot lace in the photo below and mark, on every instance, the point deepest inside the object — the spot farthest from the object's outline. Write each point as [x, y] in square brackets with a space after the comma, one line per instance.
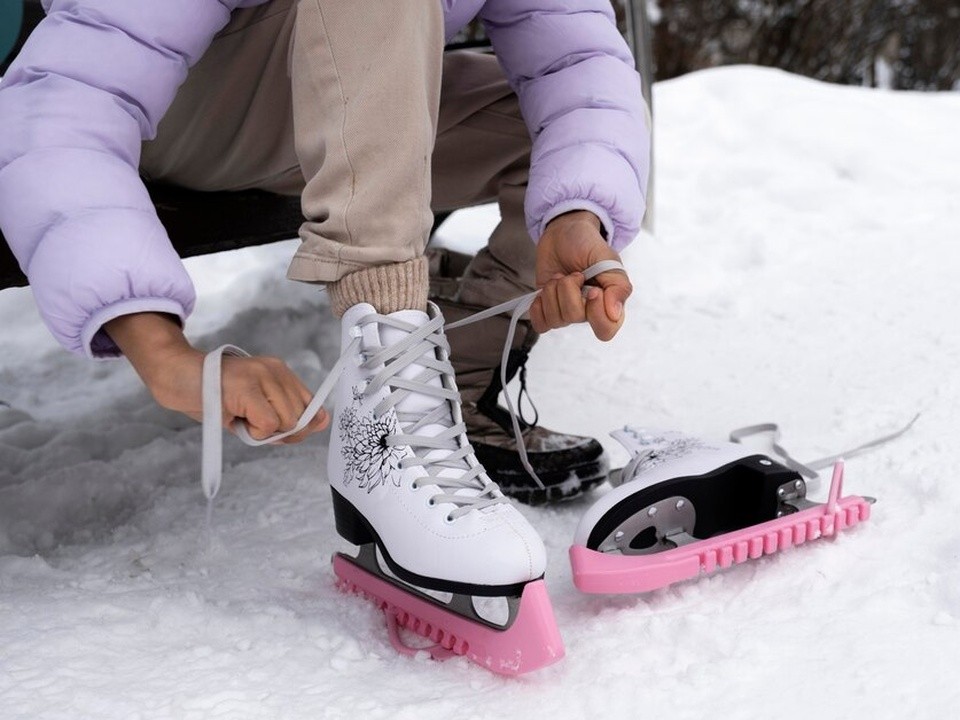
[426, 346]
[453, 470]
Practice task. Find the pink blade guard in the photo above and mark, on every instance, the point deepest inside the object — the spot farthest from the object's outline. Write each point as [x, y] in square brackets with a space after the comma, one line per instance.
[597, 572]
[533, 640]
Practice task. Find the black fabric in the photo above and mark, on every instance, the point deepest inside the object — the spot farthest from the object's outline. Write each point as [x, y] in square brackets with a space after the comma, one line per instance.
[738, 495]
[564, 473]
[200, 223]
[488, 403]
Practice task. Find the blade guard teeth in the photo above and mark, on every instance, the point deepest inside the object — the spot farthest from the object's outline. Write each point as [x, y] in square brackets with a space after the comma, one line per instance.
[530, 643]
[597, 572]
[446, 644]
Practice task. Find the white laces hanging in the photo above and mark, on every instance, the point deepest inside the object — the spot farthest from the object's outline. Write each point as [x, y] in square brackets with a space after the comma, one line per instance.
[809, 469]
[212, 432]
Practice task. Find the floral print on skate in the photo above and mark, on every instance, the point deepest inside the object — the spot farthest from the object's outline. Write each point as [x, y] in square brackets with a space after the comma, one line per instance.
[652, 448]
[368, 459]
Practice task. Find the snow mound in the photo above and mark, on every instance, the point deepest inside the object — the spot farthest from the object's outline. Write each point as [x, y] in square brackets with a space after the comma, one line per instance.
[804, 270]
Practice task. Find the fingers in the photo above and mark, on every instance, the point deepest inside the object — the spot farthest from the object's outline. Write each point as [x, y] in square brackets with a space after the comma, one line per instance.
[292, 395]
[560, 303]
[615, 294]
[300, 397]
[603, 326]
[605, 311]
[267, 395]
[570, 299]
[261, 417]
[537, 320]
[564, 301]
[571, 243]
[321, 420]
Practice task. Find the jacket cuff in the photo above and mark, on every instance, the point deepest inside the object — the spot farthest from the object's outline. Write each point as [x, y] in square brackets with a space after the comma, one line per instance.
[95, 341]
[579, 204]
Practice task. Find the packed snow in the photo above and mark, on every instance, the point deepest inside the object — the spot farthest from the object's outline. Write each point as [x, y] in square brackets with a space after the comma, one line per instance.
[804, 270]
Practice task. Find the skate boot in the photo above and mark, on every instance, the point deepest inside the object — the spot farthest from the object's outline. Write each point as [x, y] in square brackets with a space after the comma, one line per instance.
[439, 543]
[684, 506]
[567, 465]
[434, 530]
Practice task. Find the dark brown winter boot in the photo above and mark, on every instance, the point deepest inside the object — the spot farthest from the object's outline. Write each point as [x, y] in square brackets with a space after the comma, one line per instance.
[568, 465]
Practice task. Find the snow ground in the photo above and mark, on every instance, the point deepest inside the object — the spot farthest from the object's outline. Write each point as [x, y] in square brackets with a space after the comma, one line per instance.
[804, 270]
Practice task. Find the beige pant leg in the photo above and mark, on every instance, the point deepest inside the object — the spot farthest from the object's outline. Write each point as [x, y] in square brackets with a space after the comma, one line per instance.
[344, 94]
[483, 154]
[230, 126]
[365, 110]
[240, 121]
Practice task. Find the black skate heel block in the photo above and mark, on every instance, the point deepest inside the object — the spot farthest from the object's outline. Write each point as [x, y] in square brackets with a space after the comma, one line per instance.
[740, 494]
[351, 526]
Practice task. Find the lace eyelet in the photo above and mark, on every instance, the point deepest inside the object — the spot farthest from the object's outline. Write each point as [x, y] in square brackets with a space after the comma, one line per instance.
[449, 519]
[414, 485]
[431, 502]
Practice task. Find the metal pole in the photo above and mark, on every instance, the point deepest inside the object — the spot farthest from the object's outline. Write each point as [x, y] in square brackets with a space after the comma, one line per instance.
[640, 38]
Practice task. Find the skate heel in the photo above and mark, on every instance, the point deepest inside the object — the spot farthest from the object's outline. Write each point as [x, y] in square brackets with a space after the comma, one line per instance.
[351, 525]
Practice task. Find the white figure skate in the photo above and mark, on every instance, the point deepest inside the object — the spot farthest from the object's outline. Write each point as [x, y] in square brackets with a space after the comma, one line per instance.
[434, 532]
[683, 506]
[408, 490]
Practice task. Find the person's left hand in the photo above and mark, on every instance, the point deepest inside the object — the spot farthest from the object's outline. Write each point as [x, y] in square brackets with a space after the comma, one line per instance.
[569, 245]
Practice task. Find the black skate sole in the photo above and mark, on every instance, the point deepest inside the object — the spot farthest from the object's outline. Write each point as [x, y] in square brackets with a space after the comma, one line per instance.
[353, 527]
[732, 497]
[559, 487]
[565, 480]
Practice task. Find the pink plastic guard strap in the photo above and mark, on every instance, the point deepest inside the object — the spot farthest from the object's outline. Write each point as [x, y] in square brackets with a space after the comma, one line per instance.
[437, 651]
[530, 643]
[596, 572]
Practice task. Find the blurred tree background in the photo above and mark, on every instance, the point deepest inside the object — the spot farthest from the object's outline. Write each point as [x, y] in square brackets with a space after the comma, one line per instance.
[904, 44]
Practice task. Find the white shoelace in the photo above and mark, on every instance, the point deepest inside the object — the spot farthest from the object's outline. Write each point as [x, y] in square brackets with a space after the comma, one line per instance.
[809, 469]
[418, 347]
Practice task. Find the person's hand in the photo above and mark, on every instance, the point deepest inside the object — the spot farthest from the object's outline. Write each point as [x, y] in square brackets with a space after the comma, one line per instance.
[570, 244]
[261, 391]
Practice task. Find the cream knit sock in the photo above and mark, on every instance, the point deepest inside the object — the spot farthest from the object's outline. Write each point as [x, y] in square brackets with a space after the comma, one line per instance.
[389, 288]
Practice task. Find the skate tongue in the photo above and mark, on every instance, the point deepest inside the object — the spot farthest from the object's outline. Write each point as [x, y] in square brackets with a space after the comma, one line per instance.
[412, 403]
[415, 403]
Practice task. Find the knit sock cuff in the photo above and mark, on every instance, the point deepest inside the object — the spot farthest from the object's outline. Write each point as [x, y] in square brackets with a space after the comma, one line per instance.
[389, 288]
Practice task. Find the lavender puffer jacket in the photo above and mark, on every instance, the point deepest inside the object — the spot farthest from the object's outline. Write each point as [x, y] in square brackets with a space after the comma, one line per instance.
[80, 221]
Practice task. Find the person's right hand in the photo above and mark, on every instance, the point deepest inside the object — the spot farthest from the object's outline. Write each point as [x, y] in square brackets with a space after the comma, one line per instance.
[570, 244]
[261, 391]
